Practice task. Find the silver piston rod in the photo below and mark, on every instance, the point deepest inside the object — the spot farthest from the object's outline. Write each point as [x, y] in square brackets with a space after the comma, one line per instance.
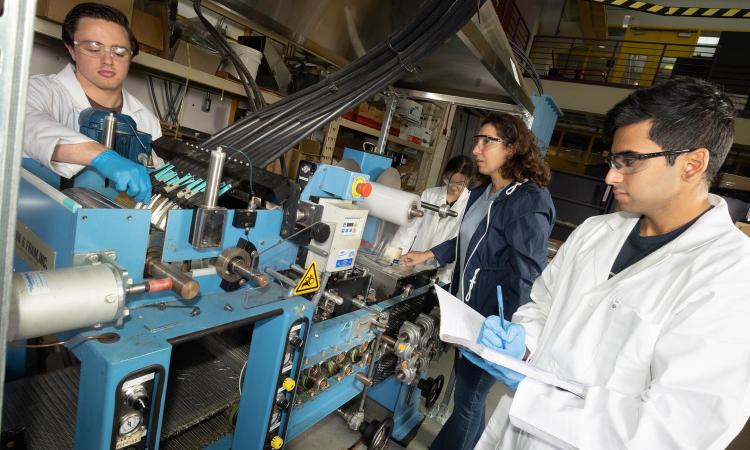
[443, 211]
[213, 180]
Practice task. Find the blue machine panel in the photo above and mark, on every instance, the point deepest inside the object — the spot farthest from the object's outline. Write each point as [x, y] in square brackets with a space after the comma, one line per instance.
[546, 113]
[333, 181]
[145, 341]
[371, 164]
[274, 252]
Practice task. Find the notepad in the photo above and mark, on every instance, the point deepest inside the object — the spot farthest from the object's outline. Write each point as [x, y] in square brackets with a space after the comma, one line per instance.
[460, 325]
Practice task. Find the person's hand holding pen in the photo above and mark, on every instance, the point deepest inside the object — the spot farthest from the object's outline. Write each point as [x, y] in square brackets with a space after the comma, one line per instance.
[502, 336]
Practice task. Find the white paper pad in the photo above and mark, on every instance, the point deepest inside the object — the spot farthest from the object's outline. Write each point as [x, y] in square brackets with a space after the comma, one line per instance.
[460, 325]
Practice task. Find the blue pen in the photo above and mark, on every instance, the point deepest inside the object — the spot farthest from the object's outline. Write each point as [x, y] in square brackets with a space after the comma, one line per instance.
[501, 312]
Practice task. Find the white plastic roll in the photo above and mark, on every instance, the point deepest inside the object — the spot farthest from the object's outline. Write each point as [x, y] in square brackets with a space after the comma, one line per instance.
[391, 205]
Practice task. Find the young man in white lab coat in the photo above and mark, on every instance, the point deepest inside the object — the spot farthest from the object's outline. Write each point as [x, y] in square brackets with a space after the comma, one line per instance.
[648, 307]
[101, 48]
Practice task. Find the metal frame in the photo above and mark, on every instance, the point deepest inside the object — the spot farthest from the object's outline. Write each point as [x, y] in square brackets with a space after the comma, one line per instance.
[483, 35]
[16, 34]
[451, 102]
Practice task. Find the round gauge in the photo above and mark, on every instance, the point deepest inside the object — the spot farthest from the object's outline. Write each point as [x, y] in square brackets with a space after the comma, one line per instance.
[130, 422]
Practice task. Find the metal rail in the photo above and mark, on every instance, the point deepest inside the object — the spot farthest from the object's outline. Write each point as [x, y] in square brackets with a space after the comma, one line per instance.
[16, 34]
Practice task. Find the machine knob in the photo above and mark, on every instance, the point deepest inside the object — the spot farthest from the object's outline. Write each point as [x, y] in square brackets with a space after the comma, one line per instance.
[320, 232]
[277, 442]
[288, 384]
[295, 341]
[364, 189]
[283, 403]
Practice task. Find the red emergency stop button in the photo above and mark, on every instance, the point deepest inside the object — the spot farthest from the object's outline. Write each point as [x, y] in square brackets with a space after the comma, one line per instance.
[364, 189]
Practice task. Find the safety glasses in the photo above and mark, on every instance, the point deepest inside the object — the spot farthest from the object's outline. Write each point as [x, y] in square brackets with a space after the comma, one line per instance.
[631, 162]
[459, 184]
[482, 140]
[97, 49]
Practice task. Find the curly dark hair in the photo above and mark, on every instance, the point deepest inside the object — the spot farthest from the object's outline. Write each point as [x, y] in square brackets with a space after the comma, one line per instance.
[525, 159]
[95, 11]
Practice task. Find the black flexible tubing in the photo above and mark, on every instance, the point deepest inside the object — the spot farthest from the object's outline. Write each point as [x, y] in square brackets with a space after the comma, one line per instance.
[414, 50]
[219, 40]
[322, 87]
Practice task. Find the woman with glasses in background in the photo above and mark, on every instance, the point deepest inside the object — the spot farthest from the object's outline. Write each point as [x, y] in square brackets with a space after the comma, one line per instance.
[426, 232]
[501, 247]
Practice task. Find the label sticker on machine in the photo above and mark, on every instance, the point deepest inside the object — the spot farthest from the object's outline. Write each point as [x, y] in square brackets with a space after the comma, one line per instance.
[32, 249]
[310, 282]
[36, 283]
[350, 227]
[345, 258]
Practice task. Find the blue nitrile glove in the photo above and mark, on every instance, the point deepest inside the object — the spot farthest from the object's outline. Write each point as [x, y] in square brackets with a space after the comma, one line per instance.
[127, 175]
[502, 336]
[508, 377]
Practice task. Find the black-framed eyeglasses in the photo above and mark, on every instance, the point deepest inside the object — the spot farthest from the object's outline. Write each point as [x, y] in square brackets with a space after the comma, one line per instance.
[632, 162]
[97, 49]
[482, 140]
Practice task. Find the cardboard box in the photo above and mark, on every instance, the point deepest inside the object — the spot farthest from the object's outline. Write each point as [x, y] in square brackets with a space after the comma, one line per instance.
[744, 227]
[55, 10]
[310, 147]
[200, 59]
[148, 30]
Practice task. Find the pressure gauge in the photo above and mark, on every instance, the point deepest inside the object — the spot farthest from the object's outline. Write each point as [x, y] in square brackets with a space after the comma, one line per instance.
[130, 422]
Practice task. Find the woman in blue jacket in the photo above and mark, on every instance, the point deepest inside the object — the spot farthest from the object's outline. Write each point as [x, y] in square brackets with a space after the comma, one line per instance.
[502, 242]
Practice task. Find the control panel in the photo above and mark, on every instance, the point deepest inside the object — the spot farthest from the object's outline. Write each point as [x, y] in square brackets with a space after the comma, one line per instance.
[347, 223]
[136, 399]
[289, 373]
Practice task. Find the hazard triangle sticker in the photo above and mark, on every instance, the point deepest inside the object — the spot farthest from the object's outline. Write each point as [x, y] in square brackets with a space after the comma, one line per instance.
[309, 281]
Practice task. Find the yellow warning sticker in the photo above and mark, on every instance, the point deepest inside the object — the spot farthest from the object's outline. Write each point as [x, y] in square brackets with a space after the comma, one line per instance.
[310, 282]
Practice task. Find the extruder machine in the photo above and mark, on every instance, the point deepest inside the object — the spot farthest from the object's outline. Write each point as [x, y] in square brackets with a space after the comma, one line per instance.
[234, 310]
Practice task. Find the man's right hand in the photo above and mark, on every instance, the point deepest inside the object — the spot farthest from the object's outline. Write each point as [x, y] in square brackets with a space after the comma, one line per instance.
[415, 258]
[127, 175]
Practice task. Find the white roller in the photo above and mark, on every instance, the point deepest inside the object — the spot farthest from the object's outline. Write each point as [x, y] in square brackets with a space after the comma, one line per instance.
[391, 205]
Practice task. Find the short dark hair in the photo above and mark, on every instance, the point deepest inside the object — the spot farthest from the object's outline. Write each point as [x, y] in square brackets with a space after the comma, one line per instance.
[95, 11]
[459, 164]
[685, 113]
[524, 161]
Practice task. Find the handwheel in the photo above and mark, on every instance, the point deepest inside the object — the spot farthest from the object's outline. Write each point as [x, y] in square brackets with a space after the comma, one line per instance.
[431, 389]
[376, 433]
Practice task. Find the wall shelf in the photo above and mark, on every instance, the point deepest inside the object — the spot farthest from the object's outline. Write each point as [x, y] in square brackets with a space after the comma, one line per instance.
[376, 133]
[156, 64]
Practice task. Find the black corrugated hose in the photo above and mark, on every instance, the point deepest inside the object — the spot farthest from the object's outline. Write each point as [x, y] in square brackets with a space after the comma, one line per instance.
[266, 134]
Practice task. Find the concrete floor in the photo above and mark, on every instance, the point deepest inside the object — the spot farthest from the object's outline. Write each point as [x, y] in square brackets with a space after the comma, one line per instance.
[333, 434]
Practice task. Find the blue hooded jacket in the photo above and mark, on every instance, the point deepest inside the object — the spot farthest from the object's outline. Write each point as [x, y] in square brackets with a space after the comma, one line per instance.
[508, 249]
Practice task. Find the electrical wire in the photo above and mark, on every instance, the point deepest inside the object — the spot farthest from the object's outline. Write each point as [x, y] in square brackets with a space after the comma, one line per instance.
[254, 96]
[55, 344]
[239, 379]
[528, 65]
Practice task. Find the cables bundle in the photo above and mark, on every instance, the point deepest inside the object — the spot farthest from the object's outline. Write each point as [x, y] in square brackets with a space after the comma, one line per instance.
[265, 135]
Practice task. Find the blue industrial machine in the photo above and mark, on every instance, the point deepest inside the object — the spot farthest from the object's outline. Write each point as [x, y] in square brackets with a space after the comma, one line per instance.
[233, 311]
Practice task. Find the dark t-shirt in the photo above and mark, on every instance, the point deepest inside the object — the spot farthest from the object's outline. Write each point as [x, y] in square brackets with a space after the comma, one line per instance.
[117, 109]
[637, 247]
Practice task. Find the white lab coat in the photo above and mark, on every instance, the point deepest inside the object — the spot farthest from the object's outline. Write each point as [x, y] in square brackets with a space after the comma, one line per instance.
[53, 105]
[428, 231]
[664, 345]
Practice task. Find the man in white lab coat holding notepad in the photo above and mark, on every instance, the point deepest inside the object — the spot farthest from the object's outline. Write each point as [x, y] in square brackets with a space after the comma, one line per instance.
[649, 307]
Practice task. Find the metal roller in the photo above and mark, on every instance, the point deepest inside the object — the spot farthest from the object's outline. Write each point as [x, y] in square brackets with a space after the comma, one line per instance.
[59, 300]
